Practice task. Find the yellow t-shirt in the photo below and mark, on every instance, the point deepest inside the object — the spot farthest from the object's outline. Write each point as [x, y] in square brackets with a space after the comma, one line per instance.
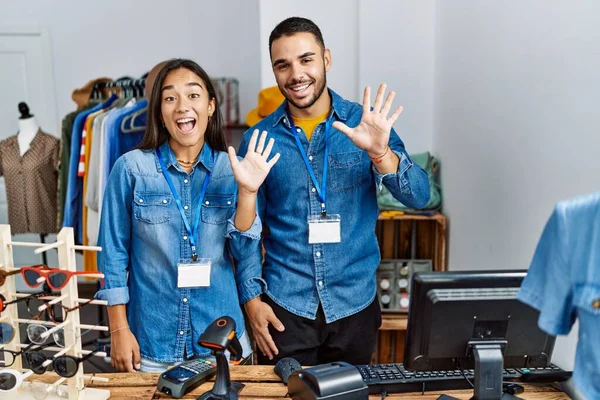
[308, 125]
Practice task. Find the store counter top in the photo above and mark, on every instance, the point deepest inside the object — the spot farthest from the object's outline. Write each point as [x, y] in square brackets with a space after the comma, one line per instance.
[262, 383]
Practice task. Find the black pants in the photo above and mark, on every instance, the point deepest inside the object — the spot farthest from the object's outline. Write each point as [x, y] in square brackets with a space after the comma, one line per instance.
[351, 339]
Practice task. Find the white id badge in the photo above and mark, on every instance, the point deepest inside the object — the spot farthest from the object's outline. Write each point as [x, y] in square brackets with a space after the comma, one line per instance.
[193, 273]
[324, 230]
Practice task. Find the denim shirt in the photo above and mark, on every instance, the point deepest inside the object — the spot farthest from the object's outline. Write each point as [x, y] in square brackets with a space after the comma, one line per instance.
[341, 276]
[563, 283]
[143, 237]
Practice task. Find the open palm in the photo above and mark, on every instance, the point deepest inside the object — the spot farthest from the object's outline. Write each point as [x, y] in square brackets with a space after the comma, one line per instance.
[372, 134]
[252, 171]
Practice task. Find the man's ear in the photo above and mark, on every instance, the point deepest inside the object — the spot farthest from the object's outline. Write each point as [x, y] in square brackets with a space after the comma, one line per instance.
[327, 59]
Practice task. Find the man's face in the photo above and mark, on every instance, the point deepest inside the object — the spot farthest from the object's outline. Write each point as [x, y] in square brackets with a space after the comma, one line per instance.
[299, 64]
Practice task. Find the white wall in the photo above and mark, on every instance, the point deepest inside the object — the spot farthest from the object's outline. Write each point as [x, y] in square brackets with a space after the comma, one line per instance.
[516, 123]
[95, 39]
[396, 46]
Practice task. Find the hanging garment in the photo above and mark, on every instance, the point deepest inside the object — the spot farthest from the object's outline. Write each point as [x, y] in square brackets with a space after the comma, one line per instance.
[31, 183]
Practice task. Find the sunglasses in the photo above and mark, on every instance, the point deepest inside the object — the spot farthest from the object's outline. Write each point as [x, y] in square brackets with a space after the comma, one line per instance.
[4, 274]
[10, 380]
[9, 356]
[35, 332]
[65, 310]
[56, 278]
[7, 333]
[65, 366]
[4, 303]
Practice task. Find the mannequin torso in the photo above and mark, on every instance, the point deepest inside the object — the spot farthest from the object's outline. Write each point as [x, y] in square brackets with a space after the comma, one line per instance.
[28, 128]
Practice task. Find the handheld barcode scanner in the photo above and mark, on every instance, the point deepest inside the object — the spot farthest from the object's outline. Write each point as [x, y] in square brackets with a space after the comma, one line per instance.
[219, 337]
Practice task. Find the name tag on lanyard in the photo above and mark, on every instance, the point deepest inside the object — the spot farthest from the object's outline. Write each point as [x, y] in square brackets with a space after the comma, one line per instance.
[324, 230]
[194, 274]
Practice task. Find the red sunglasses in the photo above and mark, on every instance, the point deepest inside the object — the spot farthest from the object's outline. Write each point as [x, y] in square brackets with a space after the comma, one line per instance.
[57, 278]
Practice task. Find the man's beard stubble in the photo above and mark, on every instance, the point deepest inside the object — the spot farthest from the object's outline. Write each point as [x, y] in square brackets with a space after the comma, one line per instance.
[317, 93]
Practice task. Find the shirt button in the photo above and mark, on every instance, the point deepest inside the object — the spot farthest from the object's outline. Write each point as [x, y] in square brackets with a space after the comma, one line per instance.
[185, 181]
[596, 304]
[141, 200]
[185, 238]
[228, 203]
[320, 283]
[298, 130]
[310, 158]
[165, 201]
[314, 190]
[181, 332]
[318, 254]
[207, 202]
[184, 207]
[185, 300]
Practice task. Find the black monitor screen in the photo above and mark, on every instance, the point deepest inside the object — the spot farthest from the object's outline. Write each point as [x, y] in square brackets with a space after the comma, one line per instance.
[452, 311]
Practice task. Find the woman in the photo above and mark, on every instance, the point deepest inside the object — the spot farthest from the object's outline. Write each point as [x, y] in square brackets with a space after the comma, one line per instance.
[174, 212]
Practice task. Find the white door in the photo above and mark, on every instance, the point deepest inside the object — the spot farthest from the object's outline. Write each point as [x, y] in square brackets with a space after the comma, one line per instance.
[25, 75]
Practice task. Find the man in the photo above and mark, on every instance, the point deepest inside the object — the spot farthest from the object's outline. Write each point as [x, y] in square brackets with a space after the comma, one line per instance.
[314, 298]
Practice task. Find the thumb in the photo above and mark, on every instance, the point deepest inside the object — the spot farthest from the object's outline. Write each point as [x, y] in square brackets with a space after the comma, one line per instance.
[137, 360]
[273, 320]
[340, 126]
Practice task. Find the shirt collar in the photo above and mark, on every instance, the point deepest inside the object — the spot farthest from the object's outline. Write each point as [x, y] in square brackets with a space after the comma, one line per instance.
[170, 160]
[339, 107]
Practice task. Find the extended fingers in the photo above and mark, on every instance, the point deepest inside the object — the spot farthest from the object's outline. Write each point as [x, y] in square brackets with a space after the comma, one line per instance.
[379, 98]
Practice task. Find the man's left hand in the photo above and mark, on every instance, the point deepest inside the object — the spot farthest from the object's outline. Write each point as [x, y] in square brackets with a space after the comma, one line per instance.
[373, 132]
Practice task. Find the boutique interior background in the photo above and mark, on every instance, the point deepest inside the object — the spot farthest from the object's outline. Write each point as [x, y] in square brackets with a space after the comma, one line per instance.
[503, 93]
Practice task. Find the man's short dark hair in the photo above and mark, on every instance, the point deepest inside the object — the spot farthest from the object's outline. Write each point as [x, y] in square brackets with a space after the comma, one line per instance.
[293, 25]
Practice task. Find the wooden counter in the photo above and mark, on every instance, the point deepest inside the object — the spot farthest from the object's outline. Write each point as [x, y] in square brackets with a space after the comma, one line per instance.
[262, 383]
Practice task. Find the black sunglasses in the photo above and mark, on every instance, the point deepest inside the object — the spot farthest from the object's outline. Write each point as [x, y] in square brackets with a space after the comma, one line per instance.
[65, 366]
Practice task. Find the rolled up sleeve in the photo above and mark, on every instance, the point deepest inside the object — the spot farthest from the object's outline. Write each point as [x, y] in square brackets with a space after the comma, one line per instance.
[115, 235]
[410, 184]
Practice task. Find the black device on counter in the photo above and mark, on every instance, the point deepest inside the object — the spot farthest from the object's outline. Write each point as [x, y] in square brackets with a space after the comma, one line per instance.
[473, 320]
[285, 367]
[333, 381]
[177, 381]
[219, 337]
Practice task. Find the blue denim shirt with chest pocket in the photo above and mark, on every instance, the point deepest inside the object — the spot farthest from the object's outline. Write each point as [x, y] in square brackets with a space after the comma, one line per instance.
[143, 239]
[563, 283]
[340, 276]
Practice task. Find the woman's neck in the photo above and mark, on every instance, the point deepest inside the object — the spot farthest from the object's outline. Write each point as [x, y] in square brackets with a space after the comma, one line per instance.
[186, 153]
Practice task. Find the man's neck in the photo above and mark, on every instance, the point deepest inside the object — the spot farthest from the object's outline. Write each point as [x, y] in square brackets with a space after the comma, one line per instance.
[319, 107]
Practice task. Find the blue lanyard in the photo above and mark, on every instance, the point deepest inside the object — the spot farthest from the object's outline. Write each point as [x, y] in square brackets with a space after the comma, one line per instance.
[191, 234]
[321, 191]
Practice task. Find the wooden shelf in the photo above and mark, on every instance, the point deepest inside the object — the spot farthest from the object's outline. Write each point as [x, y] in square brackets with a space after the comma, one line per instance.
[393, 322]
[435, 216]
[237, 126]
[408, 237]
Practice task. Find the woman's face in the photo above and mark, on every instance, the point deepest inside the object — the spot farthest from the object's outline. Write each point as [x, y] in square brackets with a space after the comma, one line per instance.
[185, 108]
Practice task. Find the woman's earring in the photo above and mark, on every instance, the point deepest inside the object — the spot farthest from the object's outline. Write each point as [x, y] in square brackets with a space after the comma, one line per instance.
[163, 123]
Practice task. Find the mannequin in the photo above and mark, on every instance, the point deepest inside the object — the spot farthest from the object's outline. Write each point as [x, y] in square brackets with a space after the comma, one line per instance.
[28, 128]
[29, 163]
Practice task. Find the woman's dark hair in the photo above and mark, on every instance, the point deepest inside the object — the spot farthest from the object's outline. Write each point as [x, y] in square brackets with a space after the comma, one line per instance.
[156, 134]
[293, 25]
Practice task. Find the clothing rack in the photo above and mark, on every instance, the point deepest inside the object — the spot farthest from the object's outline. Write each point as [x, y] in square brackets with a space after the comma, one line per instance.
[132, 87]
[72, 327]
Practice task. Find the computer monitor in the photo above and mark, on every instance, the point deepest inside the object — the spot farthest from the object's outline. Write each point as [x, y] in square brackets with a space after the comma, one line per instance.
[473, 320]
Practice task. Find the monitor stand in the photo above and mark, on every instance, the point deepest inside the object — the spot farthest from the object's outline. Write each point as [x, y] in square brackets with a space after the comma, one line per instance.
[489, 365]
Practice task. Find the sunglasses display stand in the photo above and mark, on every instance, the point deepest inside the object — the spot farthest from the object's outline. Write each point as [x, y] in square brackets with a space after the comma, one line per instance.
[65, 245]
